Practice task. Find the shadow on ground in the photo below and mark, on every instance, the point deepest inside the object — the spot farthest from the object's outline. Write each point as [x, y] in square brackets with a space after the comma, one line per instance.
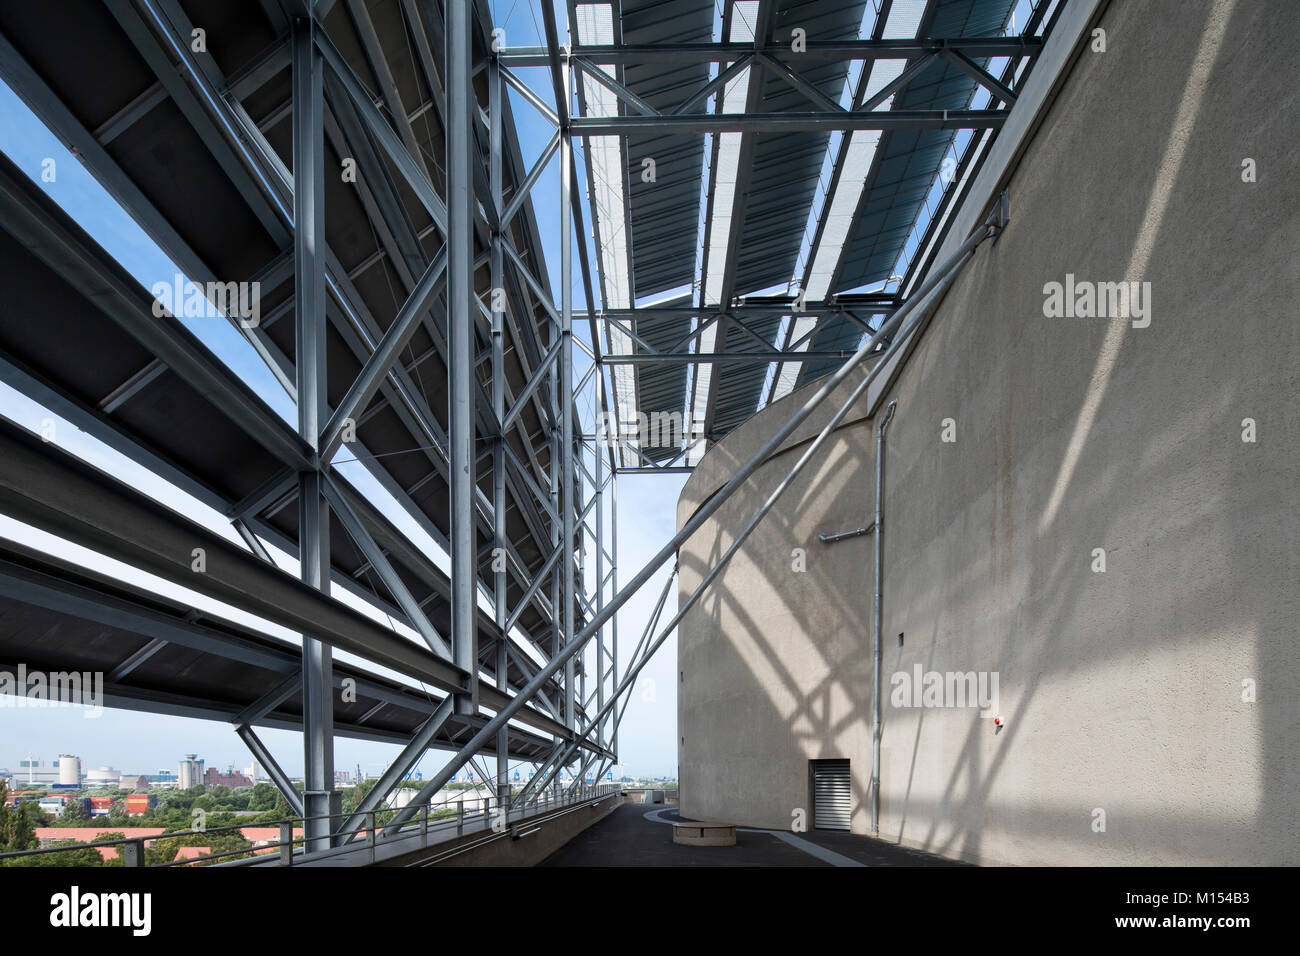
[631, 836]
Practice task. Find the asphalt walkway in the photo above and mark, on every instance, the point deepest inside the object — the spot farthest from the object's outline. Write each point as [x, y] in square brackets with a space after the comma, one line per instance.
[641, 835]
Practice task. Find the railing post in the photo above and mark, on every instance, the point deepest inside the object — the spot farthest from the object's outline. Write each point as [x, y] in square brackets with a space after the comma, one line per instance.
[370, 834]
[286, 844]
[133, 853]
[460, 817]
[424, 824]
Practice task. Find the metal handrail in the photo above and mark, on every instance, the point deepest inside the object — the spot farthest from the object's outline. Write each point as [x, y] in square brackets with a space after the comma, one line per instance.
[133, 848]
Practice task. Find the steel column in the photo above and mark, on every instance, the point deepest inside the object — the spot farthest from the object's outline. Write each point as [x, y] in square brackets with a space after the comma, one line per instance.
[460, 335]
[496, 96]
[613, 572]
[566, 403]
[877, 611]
[599, 495]
[310, 366]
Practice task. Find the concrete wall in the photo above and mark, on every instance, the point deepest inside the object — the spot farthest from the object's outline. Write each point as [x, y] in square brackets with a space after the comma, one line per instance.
[1121, 690]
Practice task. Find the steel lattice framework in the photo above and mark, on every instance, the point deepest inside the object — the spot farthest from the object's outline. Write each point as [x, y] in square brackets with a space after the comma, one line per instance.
[408, 312]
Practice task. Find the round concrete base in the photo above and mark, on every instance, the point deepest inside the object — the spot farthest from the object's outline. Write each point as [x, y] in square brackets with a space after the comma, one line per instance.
[705, 834]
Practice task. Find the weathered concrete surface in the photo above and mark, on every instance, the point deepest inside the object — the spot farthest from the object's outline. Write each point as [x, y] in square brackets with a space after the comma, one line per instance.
[1121, 690]
[695, 833]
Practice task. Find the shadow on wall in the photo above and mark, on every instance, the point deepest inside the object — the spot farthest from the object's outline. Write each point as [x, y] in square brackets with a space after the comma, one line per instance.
[1124, 688]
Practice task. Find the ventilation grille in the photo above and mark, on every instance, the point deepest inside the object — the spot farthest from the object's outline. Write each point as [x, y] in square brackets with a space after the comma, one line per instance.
[832, 795]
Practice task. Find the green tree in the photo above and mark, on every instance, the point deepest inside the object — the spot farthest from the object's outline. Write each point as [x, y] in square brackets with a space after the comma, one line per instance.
[81, 856]
[262, 797]
[165, 848]
[117, 815]
[353, 796]
[17, 823]
[73, 814]
[282, 809]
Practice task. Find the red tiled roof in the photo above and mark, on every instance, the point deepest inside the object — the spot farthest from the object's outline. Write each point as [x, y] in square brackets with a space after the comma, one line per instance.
[90, 834]
[265, 834]
[86, 834]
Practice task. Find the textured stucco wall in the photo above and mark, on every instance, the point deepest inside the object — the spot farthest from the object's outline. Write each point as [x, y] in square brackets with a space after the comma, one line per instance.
[1122, 690]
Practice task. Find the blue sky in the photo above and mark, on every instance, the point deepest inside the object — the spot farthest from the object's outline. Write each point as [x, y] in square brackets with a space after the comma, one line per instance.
[131, 741]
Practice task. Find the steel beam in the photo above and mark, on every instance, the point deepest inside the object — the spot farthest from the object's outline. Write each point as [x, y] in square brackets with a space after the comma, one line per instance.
[269, 701]
[399, 768]
[727, 358]
[378, 560]
[981, 76]
[525, 91]
[521, 400]
[937, 284]
[523, 190]
[799, 84]
[272, 768]
[789, 122]
[719, 82]
[122, 670]
[533, 587]
[85, 265]
[756, 83]
[614, 86]
[693, 524]
[376, 369]
[898, 82]
[843, 50]
[461, 345]
[65, 588]
[24, 81]
[751, 306]
[406, 164]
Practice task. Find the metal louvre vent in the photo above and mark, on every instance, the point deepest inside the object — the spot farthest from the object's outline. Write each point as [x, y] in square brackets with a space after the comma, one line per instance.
[832, 794]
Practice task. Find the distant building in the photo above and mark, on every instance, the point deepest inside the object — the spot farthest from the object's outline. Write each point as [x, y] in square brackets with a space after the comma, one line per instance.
[233, 778]
[191, 772]
[56, 803]
[138, 803]
[100, 806]
[34, 772]
[103, 777]
[69, 770]
[163, 778]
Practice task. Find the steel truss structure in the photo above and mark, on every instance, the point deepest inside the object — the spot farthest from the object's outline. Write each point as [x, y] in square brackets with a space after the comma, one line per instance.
[360, 162]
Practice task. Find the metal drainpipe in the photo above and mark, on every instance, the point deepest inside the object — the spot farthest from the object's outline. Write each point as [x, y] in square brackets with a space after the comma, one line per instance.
[878, 623]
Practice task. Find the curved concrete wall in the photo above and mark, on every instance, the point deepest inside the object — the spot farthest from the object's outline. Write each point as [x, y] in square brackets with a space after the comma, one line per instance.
[1127, 738]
